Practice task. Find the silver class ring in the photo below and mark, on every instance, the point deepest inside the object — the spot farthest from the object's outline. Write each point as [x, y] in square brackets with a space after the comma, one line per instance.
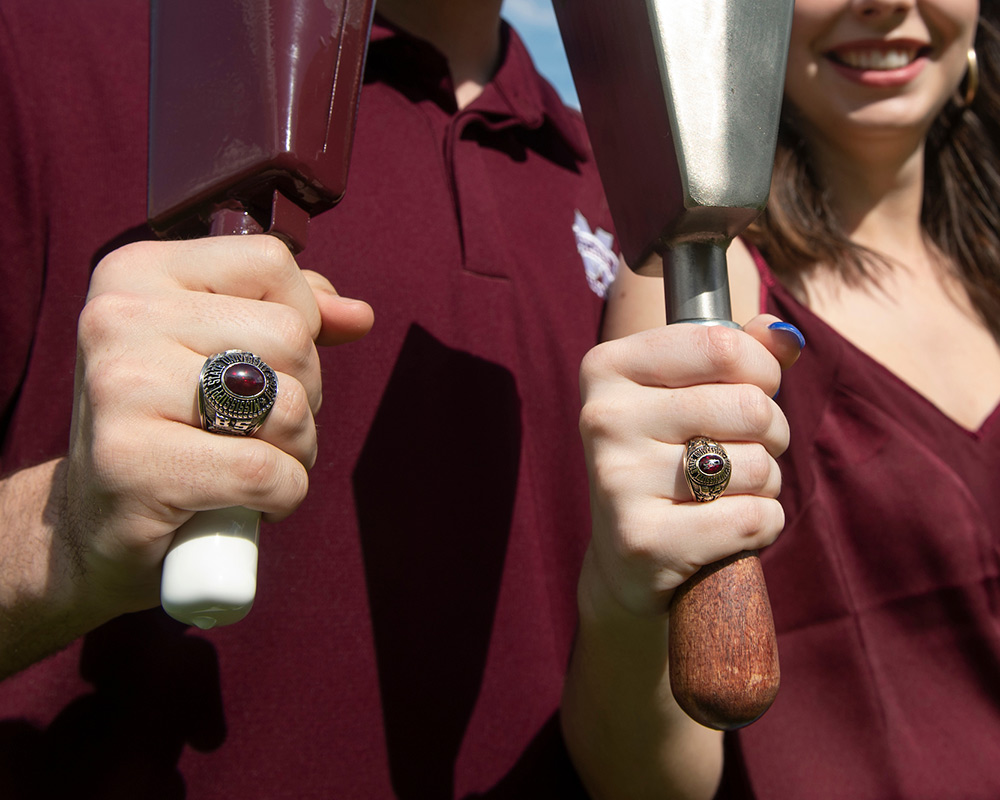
[707, 468]
[236, 391]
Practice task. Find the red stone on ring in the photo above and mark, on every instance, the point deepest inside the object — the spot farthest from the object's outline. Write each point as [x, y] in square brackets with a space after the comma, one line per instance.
[710, 464]
[244, 380]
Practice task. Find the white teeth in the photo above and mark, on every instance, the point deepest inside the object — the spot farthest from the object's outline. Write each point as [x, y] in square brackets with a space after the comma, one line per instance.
[878, 59]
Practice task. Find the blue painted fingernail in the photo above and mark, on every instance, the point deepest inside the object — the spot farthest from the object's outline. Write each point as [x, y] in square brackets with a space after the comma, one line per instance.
[789, 328]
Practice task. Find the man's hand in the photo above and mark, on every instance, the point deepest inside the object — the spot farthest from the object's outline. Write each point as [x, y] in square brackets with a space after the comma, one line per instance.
[139, 464]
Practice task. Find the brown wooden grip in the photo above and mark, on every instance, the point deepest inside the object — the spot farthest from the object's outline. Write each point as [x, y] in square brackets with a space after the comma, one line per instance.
[723, 651]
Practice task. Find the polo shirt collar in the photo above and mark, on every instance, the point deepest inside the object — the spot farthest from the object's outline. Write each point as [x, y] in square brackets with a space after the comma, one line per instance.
[515, 95]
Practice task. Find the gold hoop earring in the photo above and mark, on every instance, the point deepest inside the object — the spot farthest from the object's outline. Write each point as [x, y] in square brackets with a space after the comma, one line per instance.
[971, 78]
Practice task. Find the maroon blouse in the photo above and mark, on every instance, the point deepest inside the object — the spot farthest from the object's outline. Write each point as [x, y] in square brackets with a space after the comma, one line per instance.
[884, 589]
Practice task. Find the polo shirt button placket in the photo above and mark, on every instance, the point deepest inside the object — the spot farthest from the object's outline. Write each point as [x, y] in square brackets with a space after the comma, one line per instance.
[484, 249]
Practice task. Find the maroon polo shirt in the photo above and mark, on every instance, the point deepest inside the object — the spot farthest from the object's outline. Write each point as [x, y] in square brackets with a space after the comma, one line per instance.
[414, 617]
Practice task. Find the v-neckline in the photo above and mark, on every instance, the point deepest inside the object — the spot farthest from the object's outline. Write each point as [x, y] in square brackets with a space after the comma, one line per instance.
[770, 283]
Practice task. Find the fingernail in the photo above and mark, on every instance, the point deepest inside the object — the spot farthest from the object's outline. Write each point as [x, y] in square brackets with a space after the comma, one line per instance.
[789, 328]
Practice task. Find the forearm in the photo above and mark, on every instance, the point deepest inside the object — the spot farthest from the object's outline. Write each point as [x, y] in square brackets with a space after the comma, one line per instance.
[41, 607]
[625, 733]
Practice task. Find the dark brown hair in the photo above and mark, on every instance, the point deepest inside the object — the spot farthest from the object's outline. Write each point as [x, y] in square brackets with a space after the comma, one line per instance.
[961, 204]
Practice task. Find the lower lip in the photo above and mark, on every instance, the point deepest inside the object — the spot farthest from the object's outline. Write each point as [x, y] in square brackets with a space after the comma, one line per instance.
[881, 78]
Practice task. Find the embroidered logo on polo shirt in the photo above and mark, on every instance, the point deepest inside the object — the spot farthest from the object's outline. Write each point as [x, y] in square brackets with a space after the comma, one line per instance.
[599, 260]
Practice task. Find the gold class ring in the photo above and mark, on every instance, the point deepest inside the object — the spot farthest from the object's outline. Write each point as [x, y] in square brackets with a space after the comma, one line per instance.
[707, 468]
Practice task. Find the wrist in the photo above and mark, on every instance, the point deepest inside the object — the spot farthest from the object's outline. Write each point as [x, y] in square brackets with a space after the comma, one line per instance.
[604, 598]
[604, 617]
[624, 730]
[44, 604]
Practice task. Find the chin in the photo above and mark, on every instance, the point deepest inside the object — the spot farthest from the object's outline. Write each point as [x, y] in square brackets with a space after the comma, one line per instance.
[848, 118]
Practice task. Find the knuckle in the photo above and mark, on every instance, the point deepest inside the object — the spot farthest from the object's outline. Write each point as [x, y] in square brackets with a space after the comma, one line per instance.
[781, 434]
[114, 384]
[760, 520]
[102, 385]
[779, 521]
[310, 455]
[772, 486]
[722, 348]
[772, 521]
[276, 481]
[107, 313]
[296, 408]
[257, 471]
[759, 469]
[294, 486]
[755, 410]
[269, 253]
[637, 537]
[613, 480]
[594, 419]
[751, 516]
[594, 363]
[294, 332]
[617, 467]
[120, 264]
[650, 557]
[263, 261]
[634, 547]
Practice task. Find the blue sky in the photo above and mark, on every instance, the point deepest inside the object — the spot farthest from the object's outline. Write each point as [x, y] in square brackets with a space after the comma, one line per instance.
[536, 23]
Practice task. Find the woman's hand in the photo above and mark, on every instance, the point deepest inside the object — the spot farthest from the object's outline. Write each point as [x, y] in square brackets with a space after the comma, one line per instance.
[644, 397]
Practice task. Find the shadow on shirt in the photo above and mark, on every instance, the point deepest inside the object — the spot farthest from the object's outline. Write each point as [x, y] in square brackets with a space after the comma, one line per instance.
[434, 491]
[151, 698]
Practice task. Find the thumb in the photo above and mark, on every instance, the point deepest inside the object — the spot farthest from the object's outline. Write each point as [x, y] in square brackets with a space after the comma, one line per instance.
[782, 339]
[342, 319]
